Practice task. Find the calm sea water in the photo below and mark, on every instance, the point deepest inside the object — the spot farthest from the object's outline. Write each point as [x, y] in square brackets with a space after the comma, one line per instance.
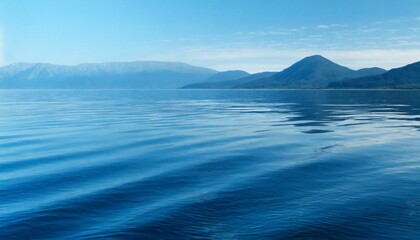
[209, 164]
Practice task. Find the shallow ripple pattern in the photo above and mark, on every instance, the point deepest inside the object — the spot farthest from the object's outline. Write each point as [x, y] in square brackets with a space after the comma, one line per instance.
[192, 164]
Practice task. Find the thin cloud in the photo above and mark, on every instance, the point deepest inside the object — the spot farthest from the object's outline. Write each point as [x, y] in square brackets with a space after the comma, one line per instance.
[315, 36]
[385, 58]
[255, 51]
[1, 48]
[338, 25]
[321, 26]
[274, 32]
[368, 30]
[332, 25]
[266, 59]
[397, 20]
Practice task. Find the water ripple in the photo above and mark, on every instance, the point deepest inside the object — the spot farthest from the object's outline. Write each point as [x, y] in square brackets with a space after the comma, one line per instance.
[134, 164]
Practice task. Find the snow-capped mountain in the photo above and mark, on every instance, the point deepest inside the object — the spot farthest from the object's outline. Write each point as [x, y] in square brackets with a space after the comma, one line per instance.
[142, 74]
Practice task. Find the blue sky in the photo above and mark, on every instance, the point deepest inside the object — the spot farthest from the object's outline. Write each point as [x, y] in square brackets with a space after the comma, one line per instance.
[253, 35]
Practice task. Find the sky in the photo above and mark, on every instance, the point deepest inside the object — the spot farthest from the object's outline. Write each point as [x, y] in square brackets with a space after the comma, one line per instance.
[251, 35]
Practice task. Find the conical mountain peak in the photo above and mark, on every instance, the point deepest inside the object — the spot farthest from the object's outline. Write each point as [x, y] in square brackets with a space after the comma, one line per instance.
[315, 57]
[315, 60]
[311, 72]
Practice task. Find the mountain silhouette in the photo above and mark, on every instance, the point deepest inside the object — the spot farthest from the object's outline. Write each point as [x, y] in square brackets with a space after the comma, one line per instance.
[218, 78]
[129, 75]
[309, 73]
[314, 72]
[407, 77]
[229, 83]
[370, 71]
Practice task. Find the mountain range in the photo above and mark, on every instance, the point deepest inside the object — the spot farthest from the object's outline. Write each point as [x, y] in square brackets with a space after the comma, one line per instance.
[121, 75]
[314, 72]
[407, 77]
[218, 78]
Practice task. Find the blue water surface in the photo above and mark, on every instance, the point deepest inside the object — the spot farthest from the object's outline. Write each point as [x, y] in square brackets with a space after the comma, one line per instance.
[198, 164]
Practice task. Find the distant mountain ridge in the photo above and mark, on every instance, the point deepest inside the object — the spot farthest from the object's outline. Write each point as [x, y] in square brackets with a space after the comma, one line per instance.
[218, 79]
[314, 72]
[227, 76]
[370, 71]
[229, 84]
[407, 77]
[141, 74]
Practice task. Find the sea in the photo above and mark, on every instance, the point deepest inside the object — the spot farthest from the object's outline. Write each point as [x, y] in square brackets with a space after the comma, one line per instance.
[209, 164]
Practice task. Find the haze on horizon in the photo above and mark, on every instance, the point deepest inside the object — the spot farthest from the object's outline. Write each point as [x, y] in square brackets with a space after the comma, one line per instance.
[249, 35]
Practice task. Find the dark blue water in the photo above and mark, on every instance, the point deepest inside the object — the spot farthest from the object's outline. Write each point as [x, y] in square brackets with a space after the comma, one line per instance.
[209, 164]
